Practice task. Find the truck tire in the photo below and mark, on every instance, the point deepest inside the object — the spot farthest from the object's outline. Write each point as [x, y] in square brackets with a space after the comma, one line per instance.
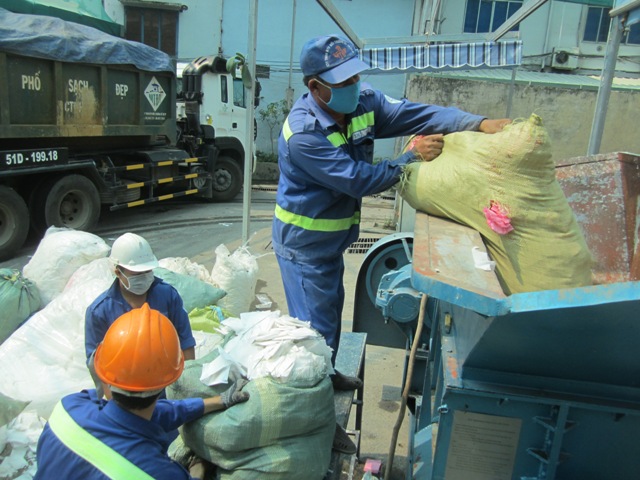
[14, 222]
[227, 180]
[72, 201]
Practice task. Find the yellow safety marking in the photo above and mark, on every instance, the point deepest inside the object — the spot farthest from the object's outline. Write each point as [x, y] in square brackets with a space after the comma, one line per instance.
[135, 167]
[135, 185]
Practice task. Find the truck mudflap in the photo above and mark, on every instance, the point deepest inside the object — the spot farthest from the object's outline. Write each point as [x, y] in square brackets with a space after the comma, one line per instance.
[198, 177]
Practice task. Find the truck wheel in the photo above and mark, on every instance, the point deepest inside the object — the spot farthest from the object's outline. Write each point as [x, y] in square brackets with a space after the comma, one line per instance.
[72, 201]
[227, 180]
[14, 222]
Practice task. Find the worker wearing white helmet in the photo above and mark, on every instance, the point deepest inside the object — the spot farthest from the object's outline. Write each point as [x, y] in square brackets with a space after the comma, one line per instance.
[135, 284]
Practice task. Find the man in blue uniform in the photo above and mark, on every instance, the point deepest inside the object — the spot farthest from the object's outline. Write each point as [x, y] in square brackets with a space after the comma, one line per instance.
[135, 284]
[325, 156]
[127, 437]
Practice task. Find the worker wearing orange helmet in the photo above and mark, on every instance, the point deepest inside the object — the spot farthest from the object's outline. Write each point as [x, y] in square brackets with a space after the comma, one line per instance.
[127, 437]
[135, 284]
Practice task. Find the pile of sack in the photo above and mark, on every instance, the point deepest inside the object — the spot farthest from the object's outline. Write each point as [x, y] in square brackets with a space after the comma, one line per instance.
[42, 357]
[285, 431]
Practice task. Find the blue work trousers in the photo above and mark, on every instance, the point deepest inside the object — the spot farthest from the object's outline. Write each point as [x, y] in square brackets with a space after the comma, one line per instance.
[315, 293]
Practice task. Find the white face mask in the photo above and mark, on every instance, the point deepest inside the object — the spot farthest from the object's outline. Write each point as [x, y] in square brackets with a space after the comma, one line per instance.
[138, 284]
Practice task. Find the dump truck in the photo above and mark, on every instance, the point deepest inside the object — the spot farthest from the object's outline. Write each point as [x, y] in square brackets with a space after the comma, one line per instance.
[89, 121]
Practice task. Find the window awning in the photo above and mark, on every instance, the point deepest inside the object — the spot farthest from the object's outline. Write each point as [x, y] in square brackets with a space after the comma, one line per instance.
[439, 57]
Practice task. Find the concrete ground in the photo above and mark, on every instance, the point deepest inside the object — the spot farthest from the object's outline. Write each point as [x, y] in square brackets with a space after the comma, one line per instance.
[383, 366]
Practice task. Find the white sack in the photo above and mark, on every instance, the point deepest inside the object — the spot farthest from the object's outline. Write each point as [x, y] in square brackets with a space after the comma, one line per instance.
[237, 274]
[60, 253]
[45, 358]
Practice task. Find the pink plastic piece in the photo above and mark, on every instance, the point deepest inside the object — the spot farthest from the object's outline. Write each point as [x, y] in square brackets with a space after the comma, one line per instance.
[498, 218]
[372, 466]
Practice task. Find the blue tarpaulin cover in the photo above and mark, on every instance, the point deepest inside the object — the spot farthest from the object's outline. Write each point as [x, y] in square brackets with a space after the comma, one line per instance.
[438, 57]
[54, 39]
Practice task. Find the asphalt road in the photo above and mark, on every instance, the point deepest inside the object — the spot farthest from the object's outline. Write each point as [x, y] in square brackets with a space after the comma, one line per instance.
[184, 227]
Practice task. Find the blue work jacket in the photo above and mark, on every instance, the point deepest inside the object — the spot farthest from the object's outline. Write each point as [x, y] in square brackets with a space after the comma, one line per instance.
[324, 173]
[143, 443]
[111, 304]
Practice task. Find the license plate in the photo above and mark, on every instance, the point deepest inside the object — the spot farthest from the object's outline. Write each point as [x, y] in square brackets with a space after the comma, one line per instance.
[33, 158]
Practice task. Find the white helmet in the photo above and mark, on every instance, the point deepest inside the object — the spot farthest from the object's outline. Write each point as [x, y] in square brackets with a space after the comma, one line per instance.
[133, 253]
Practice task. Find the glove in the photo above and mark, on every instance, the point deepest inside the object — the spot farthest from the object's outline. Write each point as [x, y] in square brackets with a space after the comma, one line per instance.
[234, 393]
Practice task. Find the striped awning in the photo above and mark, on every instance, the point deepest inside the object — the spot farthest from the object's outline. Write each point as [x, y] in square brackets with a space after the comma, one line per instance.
[438, 57]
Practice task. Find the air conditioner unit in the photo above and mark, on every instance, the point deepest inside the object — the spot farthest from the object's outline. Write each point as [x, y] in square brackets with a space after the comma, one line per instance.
[565, 58]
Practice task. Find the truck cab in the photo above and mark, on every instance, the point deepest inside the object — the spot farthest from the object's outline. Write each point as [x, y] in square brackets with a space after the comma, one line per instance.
[211, 98]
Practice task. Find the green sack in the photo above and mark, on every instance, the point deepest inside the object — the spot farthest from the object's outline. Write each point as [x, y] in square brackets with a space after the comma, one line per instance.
[194, 292]
[207, 319]
[513, 169]
[19, 298]
[278, 431]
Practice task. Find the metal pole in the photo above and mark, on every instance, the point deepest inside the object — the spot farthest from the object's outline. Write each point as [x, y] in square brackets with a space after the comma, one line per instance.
[512, 87]
[249, 144]
[606, 80]
[289, 93]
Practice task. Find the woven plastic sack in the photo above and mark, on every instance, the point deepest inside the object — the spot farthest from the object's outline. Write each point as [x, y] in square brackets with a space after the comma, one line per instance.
[195, 293]
[19, 298]
[207, 319]
[60, 253]
[237, 274]
[503, 185]
[282, 432]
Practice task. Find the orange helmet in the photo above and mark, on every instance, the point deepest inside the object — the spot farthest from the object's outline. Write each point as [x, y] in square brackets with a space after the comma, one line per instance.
[140, 352]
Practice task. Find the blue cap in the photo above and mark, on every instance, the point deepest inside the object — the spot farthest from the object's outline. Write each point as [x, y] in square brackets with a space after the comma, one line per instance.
[331, 57]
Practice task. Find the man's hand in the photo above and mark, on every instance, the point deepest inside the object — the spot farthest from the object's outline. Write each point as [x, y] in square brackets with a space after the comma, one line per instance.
[428, 147]
[234, 393]
[493, 126]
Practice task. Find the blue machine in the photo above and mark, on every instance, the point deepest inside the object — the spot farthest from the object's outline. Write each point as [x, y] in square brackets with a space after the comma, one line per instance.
[532, 386]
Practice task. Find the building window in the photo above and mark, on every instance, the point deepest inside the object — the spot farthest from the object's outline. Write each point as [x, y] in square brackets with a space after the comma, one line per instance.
[153, 27]
[596, 28]
[482, 16]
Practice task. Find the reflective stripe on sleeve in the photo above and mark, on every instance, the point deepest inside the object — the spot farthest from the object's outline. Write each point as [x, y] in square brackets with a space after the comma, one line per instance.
[88, 447]
[357, 124]
[316, 224]
[286, 130]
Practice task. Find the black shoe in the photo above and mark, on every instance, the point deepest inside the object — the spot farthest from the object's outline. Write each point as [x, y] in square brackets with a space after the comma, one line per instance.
[343, 382]
[342, 443]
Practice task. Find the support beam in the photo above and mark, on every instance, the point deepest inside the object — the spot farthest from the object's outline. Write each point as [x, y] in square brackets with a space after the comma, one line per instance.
[523, 12]
[337, 17]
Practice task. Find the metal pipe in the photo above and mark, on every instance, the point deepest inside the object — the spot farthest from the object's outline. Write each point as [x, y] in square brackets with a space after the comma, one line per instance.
[407, 388]
[249, 144]
[604, 90]
[624, 8]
